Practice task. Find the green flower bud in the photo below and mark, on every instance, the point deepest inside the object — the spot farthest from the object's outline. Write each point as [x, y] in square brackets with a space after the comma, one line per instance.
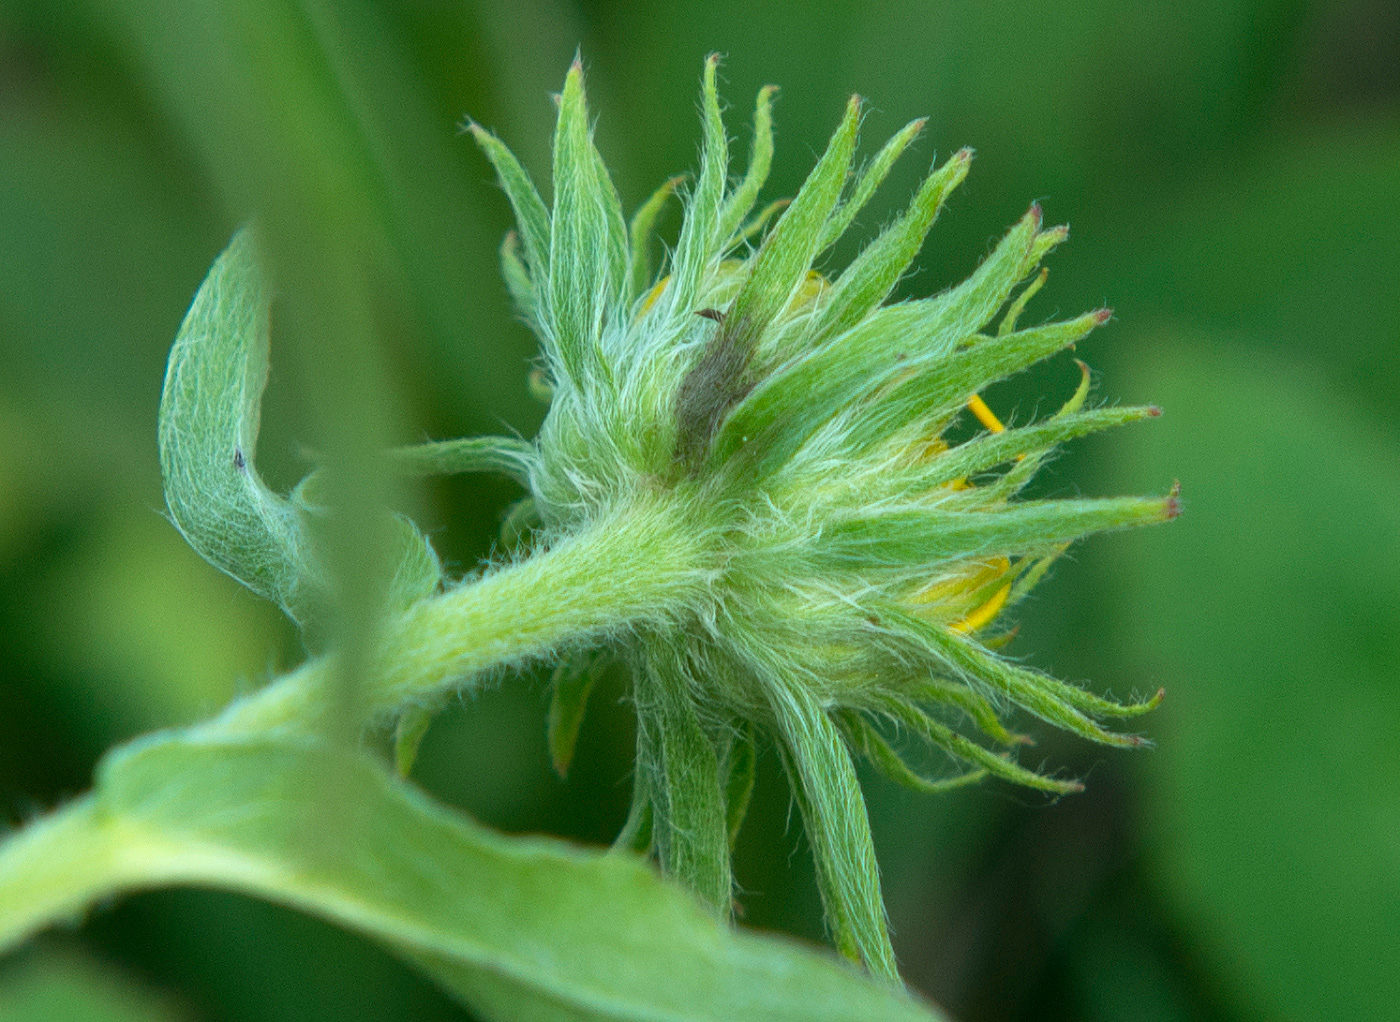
[790, 425]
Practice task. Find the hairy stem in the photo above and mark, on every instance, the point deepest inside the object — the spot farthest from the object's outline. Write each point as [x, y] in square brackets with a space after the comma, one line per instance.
[638, 565]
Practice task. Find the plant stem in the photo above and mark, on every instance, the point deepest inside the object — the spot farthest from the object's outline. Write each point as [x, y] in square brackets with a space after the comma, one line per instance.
[639, 564]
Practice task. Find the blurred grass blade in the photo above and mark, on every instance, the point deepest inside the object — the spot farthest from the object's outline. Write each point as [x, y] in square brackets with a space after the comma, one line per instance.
[515, 927]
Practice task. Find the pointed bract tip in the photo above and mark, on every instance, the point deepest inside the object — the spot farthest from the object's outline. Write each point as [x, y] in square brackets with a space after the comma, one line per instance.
[1035, 215]
[1102, 316]
[1154, 412]
[574, 79]
[1157, 699]
[1059, 234]
[1176, 488]
[965, 154]
[1171, 506]
[713, 58]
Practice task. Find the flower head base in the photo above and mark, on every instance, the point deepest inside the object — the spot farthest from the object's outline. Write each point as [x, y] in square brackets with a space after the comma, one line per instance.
[786, 426]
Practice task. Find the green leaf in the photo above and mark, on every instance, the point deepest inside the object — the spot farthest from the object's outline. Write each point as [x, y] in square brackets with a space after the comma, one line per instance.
[787, 253]
[417, 569]
[515, 927]
[209, 419]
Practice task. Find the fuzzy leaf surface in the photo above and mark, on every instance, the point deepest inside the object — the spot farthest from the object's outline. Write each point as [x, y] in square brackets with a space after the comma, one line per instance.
[209, 419]
[516, 927]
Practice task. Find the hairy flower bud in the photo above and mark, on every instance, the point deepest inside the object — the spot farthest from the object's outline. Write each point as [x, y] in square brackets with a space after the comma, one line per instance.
[791, 425]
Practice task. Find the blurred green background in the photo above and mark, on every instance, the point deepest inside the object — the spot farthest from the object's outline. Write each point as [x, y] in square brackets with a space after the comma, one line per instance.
[1232, 173]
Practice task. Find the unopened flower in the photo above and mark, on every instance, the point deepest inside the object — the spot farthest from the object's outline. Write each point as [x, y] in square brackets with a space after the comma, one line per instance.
[789, 426]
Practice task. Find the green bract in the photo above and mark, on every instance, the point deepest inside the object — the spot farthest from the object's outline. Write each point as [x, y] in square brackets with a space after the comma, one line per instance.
[784, 429]
[742, 491]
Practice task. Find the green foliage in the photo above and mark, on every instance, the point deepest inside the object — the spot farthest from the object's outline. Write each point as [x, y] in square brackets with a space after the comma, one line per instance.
[209, 418]
[1314, 792]
[733, 493]
[515, 928]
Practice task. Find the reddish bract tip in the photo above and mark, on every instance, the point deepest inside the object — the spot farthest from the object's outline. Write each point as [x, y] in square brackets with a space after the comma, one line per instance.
[1171, 507]
[1153, 411]
[1102, 316]
[1035, 214]
[1161, 694]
